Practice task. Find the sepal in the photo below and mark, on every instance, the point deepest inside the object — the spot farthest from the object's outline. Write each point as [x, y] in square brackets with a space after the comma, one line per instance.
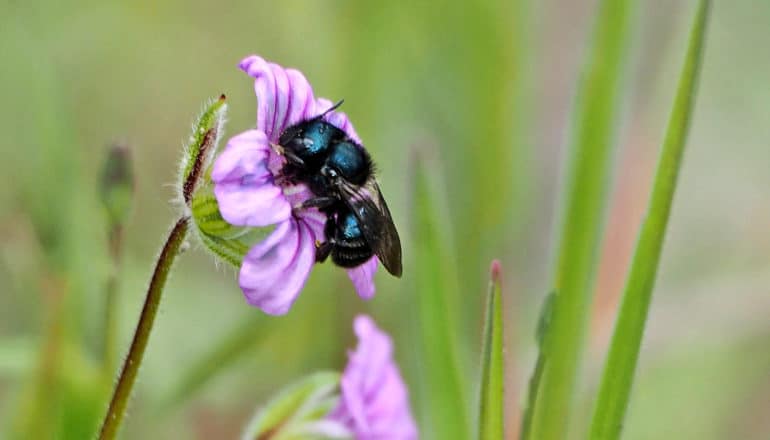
[227, 242]
[299, 411]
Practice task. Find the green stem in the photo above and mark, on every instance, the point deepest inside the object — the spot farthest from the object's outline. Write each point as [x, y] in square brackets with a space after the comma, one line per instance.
[626, 340]
[111, 292]
[120, 396]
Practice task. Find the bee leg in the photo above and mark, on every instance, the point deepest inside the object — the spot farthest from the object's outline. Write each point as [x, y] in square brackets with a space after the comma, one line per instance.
[287, 176]
[318, 202]
[322, 251]
[293, 158]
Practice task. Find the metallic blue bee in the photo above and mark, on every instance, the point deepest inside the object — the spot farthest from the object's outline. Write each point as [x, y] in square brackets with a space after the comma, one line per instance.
[340, 174]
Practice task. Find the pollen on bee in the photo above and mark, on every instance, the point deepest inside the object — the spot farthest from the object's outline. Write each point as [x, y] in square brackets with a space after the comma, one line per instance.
[317, 244]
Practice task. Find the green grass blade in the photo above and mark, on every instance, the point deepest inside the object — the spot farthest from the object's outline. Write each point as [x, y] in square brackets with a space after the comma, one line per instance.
[596, 115]
[491, 414]
[624, 349]
[444, 410]
[546, 314]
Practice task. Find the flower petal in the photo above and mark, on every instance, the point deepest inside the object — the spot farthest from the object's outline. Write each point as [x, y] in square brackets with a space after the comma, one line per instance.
[244, 186]
[375, 401]
[274, 271]
[284, 96]
[363, 278]
[312, 217]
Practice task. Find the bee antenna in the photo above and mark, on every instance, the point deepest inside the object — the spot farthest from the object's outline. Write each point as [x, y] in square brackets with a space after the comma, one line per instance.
[331, 109]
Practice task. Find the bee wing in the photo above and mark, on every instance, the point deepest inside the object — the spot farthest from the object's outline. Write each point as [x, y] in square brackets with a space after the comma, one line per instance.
[374, 218]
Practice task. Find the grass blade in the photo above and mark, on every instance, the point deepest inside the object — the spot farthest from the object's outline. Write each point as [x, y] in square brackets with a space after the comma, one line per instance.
[546, 314]
[626, 340]
[595, 115]
[491, 414]
[444, 406]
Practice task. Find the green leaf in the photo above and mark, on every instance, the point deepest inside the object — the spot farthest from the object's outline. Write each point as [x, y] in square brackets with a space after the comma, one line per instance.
[596, 115]
[303, 401]
[624, 349]
[491, 426]
[445, 413]
[546, 314]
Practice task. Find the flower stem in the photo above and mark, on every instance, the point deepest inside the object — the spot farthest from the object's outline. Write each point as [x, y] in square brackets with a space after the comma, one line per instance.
[110, 330]
[120, 396]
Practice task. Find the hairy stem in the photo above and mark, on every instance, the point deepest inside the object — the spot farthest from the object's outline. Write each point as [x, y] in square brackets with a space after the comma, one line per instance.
[122, 393]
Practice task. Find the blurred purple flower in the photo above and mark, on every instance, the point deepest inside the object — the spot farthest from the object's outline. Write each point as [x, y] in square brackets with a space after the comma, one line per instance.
[275, 270]
[375, 403]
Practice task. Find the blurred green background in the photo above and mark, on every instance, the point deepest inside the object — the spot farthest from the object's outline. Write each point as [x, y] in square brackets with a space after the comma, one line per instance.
[486, 88]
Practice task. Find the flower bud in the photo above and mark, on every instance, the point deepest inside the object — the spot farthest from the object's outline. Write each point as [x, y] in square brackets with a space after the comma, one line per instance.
[116, 187]
[200, 149]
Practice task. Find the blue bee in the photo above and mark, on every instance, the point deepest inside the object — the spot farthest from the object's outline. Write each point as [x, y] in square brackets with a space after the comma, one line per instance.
[340, 173]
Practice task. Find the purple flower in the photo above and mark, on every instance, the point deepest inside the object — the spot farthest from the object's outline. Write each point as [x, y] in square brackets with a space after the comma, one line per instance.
[244, 175]
[375, 403]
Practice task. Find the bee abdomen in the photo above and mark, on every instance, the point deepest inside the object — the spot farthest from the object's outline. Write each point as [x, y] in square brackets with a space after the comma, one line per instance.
[351, 253]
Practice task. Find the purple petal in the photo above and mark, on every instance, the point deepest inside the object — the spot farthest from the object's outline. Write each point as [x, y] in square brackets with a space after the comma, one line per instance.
[363, 278]
[315, 220]
[375, 401]
[274, 271]
[244, 186]
[284, 97]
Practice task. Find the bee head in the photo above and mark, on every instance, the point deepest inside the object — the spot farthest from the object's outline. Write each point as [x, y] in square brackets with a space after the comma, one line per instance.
[348, 161]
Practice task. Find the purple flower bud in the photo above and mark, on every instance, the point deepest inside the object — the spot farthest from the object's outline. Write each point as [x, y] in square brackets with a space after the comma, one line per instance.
[374, 404]
[248, 193]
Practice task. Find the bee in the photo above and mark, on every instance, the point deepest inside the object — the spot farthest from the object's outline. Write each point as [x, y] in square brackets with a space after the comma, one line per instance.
[340, 173]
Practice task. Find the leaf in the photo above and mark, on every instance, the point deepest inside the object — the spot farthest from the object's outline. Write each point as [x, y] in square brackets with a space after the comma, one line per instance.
[491, 416]
[445, 411]
[546, 314]
[626, 341]
[596, 115]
